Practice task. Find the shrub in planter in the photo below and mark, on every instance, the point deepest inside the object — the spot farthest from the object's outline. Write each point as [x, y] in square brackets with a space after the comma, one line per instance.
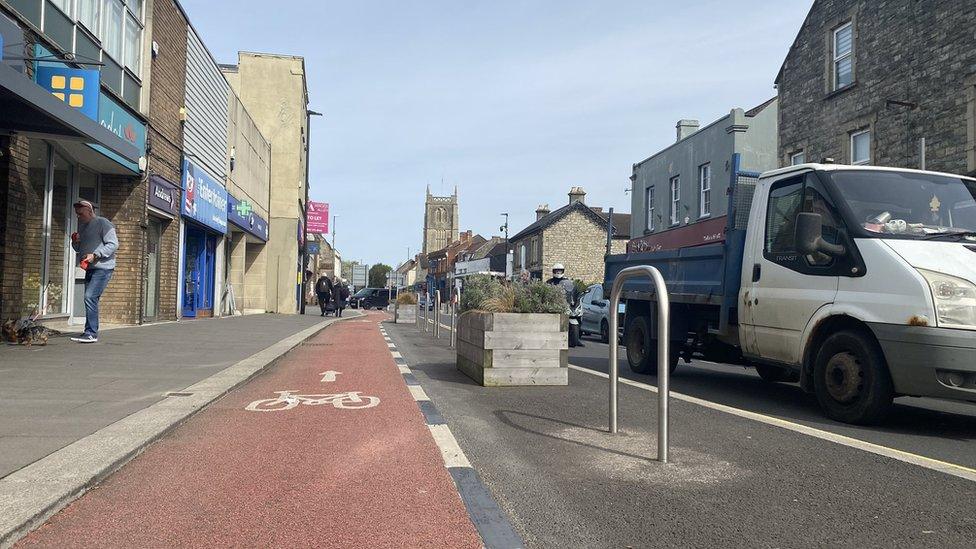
[407, 298]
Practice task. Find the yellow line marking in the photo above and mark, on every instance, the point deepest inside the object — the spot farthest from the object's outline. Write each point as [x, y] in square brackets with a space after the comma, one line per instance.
[893, 453]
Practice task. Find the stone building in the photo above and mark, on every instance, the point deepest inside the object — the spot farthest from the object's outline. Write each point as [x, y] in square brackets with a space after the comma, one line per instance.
[440, 221]
[865, 82]
[274, 91]
[574, 235]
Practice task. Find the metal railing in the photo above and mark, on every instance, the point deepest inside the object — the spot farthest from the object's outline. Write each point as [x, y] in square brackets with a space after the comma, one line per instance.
[426, 308]
[663, 355]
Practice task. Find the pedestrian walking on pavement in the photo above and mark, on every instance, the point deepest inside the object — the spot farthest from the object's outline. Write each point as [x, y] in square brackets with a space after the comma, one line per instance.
[323, 291]
[340, 294]
[96, 243]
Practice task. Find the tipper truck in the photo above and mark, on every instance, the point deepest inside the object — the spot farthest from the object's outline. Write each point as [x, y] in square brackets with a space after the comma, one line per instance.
[857, 282]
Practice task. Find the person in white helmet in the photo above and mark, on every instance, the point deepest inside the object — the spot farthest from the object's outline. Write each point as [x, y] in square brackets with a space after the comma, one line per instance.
[572, 299]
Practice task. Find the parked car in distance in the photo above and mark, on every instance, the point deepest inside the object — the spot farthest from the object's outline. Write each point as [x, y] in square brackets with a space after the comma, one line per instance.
[596, 310]
[371, 298]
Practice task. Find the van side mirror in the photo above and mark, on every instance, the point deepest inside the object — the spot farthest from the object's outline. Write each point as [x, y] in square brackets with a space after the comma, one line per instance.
[809, 236]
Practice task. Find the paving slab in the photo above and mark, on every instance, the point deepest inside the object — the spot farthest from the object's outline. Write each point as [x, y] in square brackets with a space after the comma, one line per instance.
[129, 369]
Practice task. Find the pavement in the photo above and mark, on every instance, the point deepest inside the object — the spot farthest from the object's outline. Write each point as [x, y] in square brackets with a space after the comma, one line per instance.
[545, 456]
[54, 395]
[345, 459]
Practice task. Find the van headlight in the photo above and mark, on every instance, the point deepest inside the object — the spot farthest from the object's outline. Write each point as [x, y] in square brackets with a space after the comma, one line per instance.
[955, 300]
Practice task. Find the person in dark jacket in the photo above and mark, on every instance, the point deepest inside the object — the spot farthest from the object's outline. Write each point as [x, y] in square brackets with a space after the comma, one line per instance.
[323, 291]
[340, 294]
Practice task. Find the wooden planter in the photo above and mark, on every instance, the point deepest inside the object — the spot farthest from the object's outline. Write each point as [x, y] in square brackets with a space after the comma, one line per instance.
[513, 349]
[406, 314]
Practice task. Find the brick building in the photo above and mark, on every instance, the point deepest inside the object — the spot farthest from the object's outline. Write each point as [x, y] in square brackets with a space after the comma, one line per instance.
[440, 273]
[70, 131]
[574, 235]
[865, 82]
[168, 26]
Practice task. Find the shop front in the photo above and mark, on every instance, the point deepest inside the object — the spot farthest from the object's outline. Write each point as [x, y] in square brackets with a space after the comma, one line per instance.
[163, 202]
[205, 212]
[54, 148]
[246, 271]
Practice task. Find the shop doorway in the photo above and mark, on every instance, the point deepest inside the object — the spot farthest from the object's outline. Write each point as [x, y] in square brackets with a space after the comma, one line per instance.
[198, 273]
[154, 235]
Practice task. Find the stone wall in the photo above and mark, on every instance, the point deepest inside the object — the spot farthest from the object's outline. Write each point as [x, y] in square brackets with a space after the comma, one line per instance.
[579, 244]
[922, 53]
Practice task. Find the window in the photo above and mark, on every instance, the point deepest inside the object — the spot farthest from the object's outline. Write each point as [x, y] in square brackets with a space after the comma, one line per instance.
[90, 14]
[705, 188]
[133, 44]
[861, 148]
[649, 225]
[784, 204]
[63, 5]
[522, 256]
[112, 28]
[798, 158]
[787, 199]
[675, 198]
[844, 56]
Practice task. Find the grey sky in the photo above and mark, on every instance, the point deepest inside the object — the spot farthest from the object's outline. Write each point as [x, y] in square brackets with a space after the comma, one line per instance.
[514, 102]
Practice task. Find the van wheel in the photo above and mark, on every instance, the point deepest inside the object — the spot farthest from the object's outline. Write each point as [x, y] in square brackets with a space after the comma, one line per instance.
[642, 349]
[772, 374]
[851, 379]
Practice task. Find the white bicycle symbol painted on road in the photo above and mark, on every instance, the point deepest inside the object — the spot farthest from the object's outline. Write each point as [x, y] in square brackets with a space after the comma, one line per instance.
[286, 400]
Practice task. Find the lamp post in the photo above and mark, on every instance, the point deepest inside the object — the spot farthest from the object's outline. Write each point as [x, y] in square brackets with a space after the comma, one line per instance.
[308, 144]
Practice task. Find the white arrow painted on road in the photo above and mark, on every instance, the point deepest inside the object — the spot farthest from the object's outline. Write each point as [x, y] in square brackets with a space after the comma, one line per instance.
[330, 376]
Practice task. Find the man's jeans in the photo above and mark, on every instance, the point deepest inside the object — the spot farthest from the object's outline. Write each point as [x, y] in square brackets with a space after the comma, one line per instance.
[95, 282]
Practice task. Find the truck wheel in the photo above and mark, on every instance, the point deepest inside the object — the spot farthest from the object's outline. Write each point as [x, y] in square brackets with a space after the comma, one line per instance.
[772, 374]
[851, 379]
[642, 349]
[605, 331]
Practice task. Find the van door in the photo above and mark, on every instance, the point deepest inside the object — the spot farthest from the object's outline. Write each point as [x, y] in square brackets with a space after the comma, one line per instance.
[786, 288]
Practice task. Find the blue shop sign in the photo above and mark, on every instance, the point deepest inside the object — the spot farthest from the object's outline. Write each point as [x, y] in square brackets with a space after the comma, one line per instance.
[204, 199]
[313, 248]
[241, 213]
[77, 88]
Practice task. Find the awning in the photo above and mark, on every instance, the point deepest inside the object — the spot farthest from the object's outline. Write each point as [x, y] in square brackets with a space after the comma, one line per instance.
[31, 110]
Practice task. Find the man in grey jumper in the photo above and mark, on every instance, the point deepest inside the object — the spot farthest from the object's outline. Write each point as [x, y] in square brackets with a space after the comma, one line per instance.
[96, 244]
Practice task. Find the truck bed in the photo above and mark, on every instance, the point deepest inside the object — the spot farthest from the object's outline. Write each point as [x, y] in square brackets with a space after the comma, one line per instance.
[706, 275]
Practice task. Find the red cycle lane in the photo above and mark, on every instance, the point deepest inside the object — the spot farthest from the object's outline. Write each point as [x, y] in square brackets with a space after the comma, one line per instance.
[306, 470]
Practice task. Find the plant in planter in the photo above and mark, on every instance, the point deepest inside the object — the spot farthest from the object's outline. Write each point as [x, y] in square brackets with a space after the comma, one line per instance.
[406, 308]
[513, 334]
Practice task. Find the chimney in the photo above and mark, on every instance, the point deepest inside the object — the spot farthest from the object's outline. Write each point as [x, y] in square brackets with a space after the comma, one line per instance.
[577, 194]
[686, 128]
[466, 236]
[541, 211]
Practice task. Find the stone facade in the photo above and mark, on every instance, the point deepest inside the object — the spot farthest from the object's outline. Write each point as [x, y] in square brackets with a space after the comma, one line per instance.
[274, 91]
[440, 221]
[914, 77]
[168, 25]
[574, 235]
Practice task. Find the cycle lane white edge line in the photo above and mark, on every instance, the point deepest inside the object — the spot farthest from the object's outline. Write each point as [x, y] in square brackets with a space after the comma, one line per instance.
[953, 469]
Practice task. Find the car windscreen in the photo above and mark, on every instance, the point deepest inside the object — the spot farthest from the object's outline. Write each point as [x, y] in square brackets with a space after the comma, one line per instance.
[910, 205]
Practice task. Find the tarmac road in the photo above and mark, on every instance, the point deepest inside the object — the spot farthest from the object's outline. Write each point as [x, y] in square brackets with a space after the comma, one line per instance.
[942, 430]
[547, 459]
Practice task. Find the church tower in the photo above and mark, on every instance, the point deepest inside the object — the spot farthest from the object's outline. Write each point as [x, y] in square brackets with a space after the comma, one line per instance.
[440, 221]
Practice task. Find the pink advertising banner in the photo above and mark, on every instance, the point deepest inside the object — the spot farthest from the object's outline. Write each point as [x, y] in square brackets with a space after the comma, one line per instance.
[318, 217]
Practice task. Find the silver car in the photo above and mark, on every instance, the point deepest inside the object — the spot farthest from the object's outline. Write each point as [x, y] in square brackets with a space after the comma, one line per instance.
[596, 318]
